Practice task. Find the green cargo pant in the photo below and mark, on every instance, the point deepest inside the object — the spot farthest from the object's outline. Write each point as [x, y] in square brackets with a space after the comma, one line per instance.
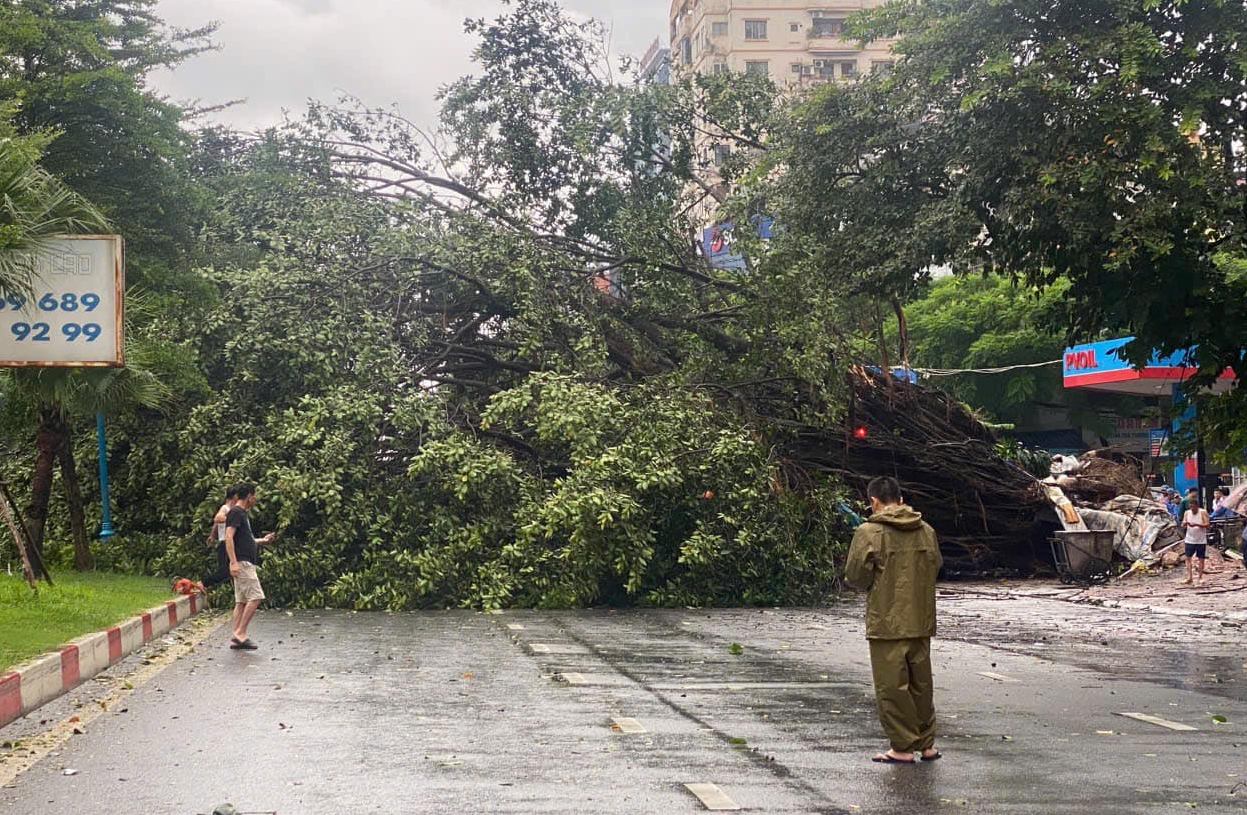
[904, 691]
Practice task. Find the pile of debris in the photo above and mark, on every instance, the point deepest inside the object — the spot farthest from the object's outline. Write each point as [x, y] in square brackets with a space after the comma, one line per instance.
[1100, 476]
[989, 513]
[1142, 526]
[1108, 493]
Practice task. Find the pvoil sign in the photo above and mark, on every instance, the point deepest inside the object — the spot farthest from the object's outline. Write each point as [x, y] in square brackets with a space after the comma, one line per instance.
[1100, 364]
[1081, 361]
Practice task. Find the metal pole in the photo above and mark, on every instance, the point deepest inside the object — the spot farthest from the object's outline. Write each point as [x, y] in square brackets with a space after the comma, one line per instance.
[106, 526]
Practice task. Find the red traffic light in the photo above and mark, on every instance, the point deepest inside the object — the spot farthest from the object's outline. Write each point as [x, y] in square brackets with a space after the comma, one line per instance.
[861, 432]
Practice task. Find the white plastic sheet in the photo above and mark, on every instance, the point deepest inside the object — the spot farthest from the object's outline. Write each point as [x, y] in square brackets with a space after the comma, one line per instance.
[1140, 525]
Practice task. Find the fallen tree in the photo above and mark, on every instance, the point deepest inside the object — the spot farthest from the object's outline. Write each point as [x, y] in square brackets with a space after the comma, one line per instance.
[506, 375]
[578, 260]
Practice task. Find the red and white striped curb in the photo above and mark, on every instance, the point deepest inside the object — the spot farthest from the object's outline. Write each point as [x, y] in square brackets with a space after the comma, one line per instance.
[45, 678]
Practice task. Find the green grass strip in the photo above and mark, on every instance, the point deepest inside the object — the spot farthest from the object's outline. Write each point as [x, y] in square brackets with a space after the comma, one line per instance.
[78, 604]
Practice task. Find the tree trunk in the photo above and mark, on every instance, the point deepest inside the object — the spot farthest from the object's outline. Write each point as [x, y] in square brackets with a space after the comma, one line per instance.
[902, 326]
[28, 571]
[25, 546]
[83, 561]
[47, 441]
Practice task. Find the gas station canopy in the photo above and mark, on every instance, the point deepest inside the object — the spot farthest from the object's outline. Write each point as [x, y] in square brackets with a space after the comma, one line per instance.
[1098, 367]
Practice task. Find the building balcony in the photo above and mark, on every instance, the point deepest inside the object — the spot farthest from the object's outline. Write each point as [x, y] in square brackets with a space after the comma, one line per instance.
[712, 7]
[831, 43]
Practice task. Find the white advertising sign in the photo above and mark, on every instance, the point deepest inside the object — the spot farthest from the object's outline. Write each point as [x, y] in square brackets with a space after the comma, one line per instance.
[74, 316]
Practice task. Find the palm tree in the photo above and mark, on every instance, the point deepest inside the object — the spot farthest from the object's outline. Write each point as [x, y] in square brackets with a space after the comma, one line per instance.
[58, 399]
[34, 208]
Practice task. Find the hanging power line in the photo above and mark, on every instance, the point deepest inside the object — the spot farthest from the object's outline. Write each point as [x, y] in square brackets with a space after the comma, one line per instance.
[1002, 370]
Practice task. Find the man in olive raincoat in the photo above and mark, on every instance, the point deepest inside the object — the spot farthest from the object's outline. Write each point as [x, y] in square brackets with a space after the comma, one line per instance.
[896, 559]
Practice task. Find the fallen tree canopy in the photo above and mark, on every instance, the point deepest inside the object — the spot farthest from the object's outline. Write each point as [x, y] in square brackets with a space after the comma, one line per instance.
[473, 390]
[490, 366]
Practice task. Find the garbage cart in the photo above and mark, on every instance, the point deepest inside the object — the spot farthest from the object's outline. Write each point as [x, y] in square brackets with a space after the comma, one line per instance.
[1083, 557]
[1227, 533]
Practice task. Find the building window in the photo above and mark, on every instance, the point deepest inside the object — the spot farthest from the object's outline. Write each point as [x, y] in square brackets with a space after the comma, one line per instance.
[848, 70]
[719, 69]
[721, 154]
[883, 67]
[797, 68]
[825, 68]
[828, 27]
[758, 68]
[686, 51]
[718, 29]
[794, 28]
[755, 29]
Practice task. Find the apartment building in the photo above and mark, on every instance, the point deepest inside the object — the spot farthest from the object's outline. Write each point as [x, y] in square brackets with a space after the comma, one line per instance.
[655, 66]
[794, 42]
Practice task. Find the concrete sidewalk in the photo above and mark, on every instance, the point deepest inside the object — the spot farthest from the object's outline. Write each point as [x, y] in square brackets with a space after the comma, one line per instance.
[638, 712]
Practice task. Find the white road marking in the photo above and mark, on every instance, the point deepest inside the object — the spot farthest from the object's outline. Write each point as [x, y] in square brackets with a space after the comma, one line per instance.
[563, 648]
[628, 726]
[997, 677]
[712, 797]
[750, 685]
[515, 626]
[572, 678]
[1143, 717]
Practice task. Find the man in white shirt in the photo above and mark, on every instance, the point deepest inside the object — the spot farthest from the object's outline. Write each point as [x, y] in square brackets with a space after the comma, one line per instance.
[216, 537]
[1196, 523]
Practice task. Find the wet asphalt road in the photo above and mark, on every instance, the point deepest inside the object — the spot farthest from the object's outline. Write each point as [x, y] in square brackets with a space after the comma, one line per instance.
[456, 712]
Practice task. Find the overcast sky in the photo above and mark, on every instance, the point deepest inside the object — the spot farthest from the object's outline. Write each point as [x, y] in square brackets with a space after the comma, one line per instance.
[277, 54]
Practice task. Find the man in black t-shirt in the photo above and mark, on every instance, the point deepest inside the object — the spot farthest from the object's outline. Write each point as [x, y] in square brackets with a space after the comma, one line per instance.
[244, 553]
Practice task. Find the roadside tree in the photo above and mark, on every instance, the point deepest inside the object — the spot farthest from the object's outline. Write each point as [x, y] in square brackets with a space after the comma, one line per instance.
[1092, 144]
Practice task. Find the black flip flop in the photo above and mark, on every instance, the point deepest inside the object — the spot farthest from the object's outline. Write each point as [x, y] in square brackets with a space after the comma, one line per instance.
[884, 758]
[246, 645]
[938, 755]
